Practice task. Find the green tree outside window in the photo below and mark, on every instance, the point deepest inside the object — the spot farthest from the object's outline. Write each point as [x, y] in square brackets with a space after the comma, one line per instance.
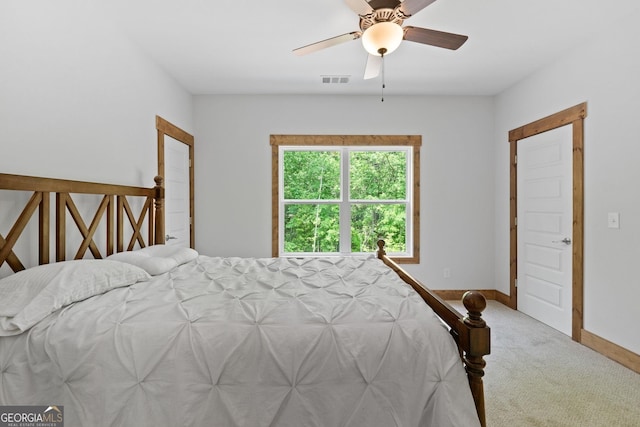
[315, 193]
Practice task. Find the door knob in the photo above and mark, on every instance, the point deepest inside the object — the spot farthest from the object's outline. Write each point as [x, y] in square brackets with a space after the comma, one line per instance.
[566, 241]
[167, 237]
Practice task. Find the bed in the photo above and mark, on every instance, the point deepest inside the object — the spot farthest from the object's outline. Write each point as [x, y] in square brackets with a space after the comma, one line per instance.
[123, 330]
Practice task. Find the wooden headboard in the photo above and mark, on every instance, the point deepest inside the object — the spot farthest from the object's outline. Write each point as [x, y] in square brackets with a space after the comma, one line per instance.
[112, 198]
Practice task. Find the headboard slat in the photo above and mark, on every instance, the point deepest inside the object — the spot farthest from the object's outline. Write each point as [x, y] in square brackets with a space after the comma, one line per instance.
[44, 229]
[18, 228]
[87, 234]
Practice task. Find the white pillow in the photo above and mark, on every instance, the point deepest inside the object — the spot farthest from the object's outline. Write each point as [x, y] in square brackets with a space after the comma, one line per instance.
[156, 259]
[30, 295]
[152, 265]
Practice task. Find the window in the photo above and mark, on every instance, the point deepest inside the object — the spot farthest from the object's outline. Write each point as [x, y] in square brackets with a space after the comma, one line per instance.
[340, 194]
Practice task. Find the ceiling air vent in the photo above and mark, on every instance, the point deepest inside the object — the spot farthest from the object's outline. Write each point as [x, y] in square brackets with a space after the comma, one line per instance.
[335, 79]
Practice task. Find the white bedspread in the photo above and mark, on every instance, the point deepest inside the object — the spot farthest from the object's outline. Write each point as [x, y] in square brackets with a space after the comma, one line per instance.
[245, 342]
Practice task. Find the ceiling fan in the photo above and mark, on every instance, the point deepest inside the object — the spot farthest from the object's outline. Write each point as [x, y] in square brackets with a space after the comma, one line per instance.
[382, 33]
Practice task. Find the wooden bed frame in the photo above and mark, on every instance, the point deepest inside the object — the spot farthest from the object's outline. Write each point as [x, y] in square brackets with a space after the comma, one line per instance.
[470, 332]
[113, 197]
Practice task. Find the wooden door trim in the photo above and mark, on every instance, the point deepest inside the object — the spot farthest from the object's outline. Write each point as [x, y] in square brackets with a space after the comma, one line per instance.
[163, 128]
[575, 116]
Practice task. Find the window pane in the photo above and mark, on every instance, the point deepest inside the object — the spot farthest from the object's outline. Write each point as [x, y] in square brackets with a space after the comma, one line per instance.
[311, 175]
[378, 175]
[311, 228]
[371, 222]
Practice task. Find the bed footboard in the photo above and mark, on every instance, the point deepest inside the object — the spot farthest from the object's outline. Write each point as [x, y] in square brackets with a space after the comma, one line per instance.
[471, 333]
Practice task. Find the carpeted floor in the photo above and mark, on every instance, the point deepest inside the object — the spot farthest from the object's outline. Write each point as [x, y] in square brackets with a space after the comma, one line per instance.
[537, 376]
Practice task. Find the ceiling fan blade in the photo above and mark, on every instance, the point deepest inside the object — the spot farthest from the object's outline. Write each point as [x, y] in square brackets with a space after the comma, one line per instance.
[372, 69]
[361, 7]
[411, 7]
[313, 47]
[434, 38]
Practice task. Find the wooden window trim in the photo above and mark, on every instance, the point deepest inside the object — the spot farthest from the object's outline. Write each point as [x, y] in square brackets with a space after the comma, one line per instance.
[346, 140]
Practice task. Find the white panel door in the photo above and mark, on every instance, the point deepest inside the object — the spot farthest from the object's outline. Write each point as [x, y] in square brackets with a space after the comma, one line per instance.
[545, 227]
[176, 176]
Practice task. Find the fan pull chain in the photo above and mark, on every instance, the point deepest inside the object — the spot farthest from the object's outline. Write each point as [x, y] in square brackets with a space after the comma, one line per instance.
[382, 91]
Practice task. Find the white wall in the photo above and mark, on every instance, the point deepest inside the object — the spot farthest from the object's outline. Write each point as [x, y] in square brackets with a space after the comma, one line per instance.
[603, 72]
[233, 172]
[77, 99]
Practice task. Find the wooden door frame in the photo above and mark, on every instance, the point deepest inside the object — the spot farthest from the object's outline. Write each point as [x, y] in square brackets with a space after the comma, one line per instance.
[574, 116]
[163, 128]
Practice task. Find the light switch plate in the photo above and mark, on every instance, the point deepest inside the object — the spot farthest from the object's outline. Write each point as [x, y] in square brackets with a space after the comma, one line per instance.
[613, 220]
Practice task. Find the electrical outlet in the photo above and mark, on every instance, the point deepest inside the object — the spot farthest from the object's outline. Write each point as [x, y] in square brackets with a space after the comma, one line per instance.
[613, 220]
[446, 273]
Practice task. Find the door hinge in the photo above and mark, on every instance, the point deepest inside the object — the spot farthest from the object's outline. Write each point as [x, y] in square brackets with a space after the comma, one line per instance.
[515, 221]
[515, 159]
[190, 220]
[515, 281]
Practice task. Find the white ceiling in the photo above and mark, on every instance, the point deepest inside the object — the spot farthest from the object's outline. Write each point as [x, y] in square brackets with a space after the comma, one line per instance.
[245, 47]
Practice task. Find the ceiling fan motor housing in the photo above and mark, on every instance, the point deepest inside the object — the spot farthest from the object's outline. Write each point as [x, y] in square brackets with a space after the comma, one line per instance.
[394, 15]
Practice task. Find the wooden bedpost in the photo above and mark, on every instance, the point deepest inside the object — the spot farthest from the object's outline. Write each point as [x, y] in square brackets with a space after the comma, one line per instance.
[479, 345]
[471, 333]
[159, 211]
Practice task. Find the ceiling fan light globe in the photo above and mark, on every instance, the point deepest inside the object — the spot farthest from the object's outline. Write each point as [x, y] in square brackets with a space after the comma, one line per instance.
[383, 37]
